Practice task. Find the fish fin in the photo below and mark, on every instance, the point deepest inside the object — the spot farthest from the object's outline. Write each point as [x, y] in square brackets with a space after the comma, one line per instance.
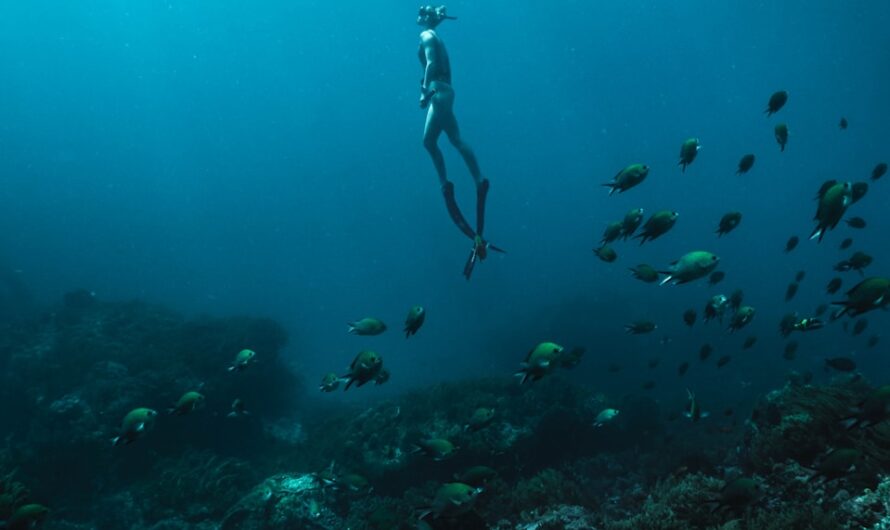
[232, 415]
[231, 368]
[140, 427]
[817, 233]
[351, 328]
[704, 414]
[116, 440]
[667, 279]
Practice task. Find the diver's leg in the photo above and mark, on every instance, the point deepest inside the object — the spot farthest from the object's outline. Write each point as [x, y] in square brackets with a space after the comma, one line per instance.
[431, 133]
[453, 131]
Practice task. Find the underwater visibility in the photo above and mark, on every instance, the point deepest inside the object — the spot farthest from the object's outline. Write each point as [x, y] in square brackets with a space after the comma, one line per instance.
[487, 265]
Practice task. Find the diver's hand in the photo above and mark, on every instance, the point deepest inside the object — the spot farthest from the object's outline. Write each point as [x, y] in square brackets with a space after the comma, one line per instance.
[426, 96]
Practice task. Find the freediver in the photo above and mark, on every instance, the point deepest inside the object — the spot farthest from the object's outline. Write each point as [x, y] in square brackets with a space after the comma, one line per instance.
[437, 96]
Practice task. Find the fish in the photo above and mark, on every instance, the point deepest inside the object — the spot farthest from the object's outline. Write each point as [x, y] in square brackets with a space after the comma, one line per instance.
[238, 409]
[481, 418]
[790, 291]
[640, 327]
[631, 222]
[688, 151]
[728, 223]
[716, 277]
[135, 424]
[745, 164]
[605, 416]
[741, 318]
[879, 171]
[860, 326]
[627, 178]
[781, 133]
[776, 102]
[189, 402]
[330, 382]
[749, 342]
[414, 320]
[438, 449]
[693, 410]
[689, 317]
[834, 285]
[606, 253]
[705, 351]
[645, 273]
[867, 295]
[243, 359]
[843, 124]
[800, 276]
[841, 364]
[649, 385]
[476, 476]
[846, 243]
[690, 267]
[657, 225]
[791, 244]
[856, 222]
[540, 361]
[452, 500]
[366, 367]
[653, 362]
[366, 326]
[723, 361]
[716, 307]
[612, 232]
[681, 370]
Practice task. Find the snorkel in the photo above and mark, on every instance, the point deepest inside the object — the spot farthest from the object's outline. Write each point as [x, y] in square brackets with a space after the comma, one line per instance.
[432, 16]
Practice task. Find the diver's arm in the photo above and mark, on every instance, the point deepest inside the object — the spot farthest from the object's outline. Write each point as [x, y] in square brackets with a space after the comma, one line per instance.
[428, 42]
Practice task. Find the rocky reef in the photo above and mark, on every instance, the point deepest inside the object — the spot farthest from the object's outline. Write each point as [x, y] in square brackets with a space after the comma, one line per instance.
[486, 453]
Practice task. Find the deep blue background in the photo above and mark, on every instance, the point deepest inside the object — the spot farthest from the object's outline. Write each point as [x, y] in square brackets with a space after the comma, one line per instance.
[265, 158]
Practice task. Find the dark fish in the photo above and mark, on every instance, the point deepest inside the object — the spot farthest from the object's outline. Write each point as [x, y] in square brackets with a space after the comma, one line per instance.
[640, 327]
[821, 309]
[790, 350]
[847, 243]
[749, 342]
[834, 285]
[857, 262]
[860, 189]
[654, 362]
[873, 341]
[728, 223]
[606, 253]
[791, 291]
[723, 361]
[860, 326]
[787, 324]
[745, 164]
[856, 222]
[792, 243]
[879, 171]
[689, 317]
[728, 412]
[705, 352]
[843, 124]
[612, 232]
[614, 367]
[648, 385]
[681, 370]
[776, 102]
[781, 131]
[716, 277]
[800, 276]
[841, 364]
[736, 299]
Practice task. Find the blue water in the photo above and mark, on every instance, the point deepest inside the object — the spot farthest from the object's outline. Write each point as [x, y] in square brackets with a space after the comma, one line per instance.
[265, 159]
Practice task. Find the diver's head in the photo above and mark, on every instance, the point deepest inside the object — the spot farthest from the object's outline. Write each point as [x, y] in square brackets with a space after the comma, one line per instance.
[430, 16]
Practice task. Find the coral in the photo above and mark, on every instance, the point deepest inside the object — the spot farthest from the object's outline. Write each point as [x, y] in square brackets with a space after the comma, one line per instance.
[283, 502]
[12, 495]
[871, 509]
[561, 517]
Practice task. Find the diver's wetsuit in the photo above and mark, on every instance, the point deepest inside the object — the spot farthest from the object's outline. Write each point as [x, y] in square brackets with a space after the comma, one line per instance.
[439, 95]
